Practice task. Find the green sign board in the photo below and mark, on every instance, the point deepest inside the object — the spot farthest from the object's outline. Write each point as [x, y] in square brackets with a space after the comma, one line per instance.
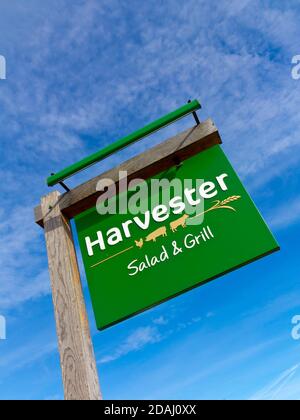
[135, 261]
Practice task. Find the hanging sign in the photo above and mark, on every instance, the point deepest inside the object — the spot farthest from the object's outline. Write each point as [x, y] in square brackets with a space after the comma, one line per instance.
[181, 237]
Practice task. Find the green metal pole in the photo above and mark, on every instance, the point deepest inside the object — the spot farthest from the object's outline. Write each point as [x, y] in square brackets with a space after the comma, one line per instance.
[124, 142]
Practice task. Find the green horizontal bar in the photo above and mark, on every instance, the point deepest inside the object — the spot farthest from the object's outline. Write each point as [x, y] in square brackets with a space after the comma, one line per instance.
[124, 142]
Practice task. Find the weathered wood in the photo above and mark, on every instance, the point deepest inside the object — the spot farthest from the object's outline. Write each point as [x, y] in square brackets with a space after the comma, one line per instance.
[78, 363]
[150, 163]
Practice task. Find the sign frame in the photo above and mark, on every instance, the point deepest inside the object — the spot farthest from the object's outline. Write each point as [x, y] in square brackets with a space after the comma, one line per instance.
[234, 234]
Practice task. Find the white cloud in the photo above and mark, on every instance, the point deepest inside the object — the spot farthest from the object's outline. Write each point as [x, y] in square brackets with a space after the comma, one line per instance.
[23, 267]
[161, 64]
[285, 215]
[160, 320]
[151, 334]
[86, 70]
[189, 323]
[72, 74]
[276, 388]
[28, 353]
[134, 342]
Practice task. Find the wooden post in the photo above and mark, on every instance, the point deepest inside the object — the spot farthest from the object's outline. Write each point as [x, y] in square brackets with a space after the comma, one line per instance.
[77, 357]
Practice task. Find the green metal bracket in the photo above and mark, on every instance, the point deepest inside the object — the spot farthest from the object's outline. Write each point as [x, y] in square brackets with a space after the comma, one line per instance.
[179, 113]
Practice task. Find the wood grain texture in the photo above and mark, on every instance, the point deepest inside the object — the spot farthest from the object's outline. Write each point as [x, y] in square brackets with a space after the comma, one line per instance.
[150, 163]
[78, 363]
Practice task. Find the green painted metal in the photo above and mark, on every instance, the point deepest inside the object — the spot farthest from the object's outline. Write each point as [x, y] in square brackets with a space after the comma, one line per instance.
[124, 142]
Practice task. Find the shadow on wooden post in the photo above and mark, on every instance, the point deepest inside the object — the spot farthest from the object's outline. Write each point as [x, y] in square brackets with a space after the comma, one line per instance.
[77, 357]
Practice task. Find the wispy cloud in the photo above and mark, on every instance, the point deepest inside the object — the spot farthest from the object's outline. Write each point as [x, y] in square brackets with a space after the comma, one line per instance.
[24, 274]
[134, 342]
[161, 320]
[275, 389]
[80, 74]
[174, 54]
[156, 332]
[28, 353]
[286, 214]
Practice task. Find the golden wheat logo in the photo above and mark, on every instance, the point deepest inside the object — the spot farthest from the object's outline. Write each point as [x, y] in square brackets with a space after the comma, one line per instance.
[220, 205]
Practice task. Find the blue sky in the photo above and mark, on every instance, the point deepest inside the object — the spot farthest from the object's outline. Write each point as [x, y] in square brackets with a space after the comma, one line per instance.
[81, 74]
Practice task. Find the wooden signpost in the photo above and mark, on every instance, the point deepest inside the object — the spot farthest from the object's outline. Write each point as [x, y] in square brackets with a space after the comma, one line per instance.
[79, 371]
[79, 368]
[78, 363]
